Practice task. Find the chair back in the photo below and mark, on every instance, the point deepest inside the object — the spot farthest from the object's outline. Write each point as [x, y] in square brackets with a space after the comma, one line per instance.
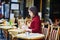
[54, 33]
[46, 31]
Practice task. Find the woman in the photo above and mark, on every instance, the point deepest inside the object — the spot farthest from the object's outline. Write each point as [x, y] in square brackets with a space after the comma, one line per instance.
[35, 26]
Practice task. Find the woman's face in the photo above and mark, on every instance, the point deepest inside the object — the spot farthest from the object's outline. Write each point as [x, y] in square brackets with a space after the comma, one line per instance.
[31, 13]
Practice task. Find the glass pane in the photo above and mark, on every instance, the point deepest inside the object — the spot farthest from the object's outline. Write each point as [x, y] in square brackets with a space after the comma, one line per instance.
[15, 6]
[0, 12]
[29, 3]
[16, 13]
[6, 10]
[14, 0]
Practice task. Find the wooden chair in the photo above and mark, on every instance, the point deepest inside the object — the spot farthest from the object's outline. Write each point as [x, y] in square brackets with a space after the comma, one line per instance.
[54, 33]
[13, 34]
[46, 31]
[28, 22]
[20, 22]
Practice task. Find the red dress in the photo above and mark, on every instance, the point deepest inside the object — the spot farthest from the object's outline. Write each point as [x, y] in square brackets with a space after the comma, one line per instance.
[35, 24]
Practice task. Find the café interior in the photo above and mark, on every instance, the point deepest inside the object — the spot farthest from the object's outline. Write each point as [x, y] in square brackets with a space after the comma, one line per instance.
[15, 20]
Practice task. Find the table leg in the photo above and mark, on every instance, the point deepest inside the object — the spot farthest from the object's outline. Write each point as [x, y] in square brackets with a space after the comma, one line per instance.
[8, 36]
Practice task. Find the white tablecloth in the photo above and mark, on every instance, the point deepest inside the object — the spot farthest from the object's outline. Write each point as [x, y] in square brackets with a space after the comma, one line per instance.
[30, 36]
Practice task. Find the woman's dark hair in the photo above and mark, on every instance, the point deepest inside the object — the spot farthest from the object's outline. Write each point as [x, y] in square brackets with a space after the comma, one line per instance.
[34, 10]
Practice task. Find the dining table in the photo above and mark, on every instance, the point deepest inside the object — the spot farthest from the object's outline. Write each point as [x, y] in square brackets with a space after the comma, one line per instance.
[15, 31]
[5, 28]
[30, 36]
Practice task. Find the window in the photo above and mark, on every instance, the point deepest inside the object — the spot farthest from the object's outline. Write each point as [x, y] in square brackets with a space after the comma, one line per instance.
[14, 0]
[15, 6]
